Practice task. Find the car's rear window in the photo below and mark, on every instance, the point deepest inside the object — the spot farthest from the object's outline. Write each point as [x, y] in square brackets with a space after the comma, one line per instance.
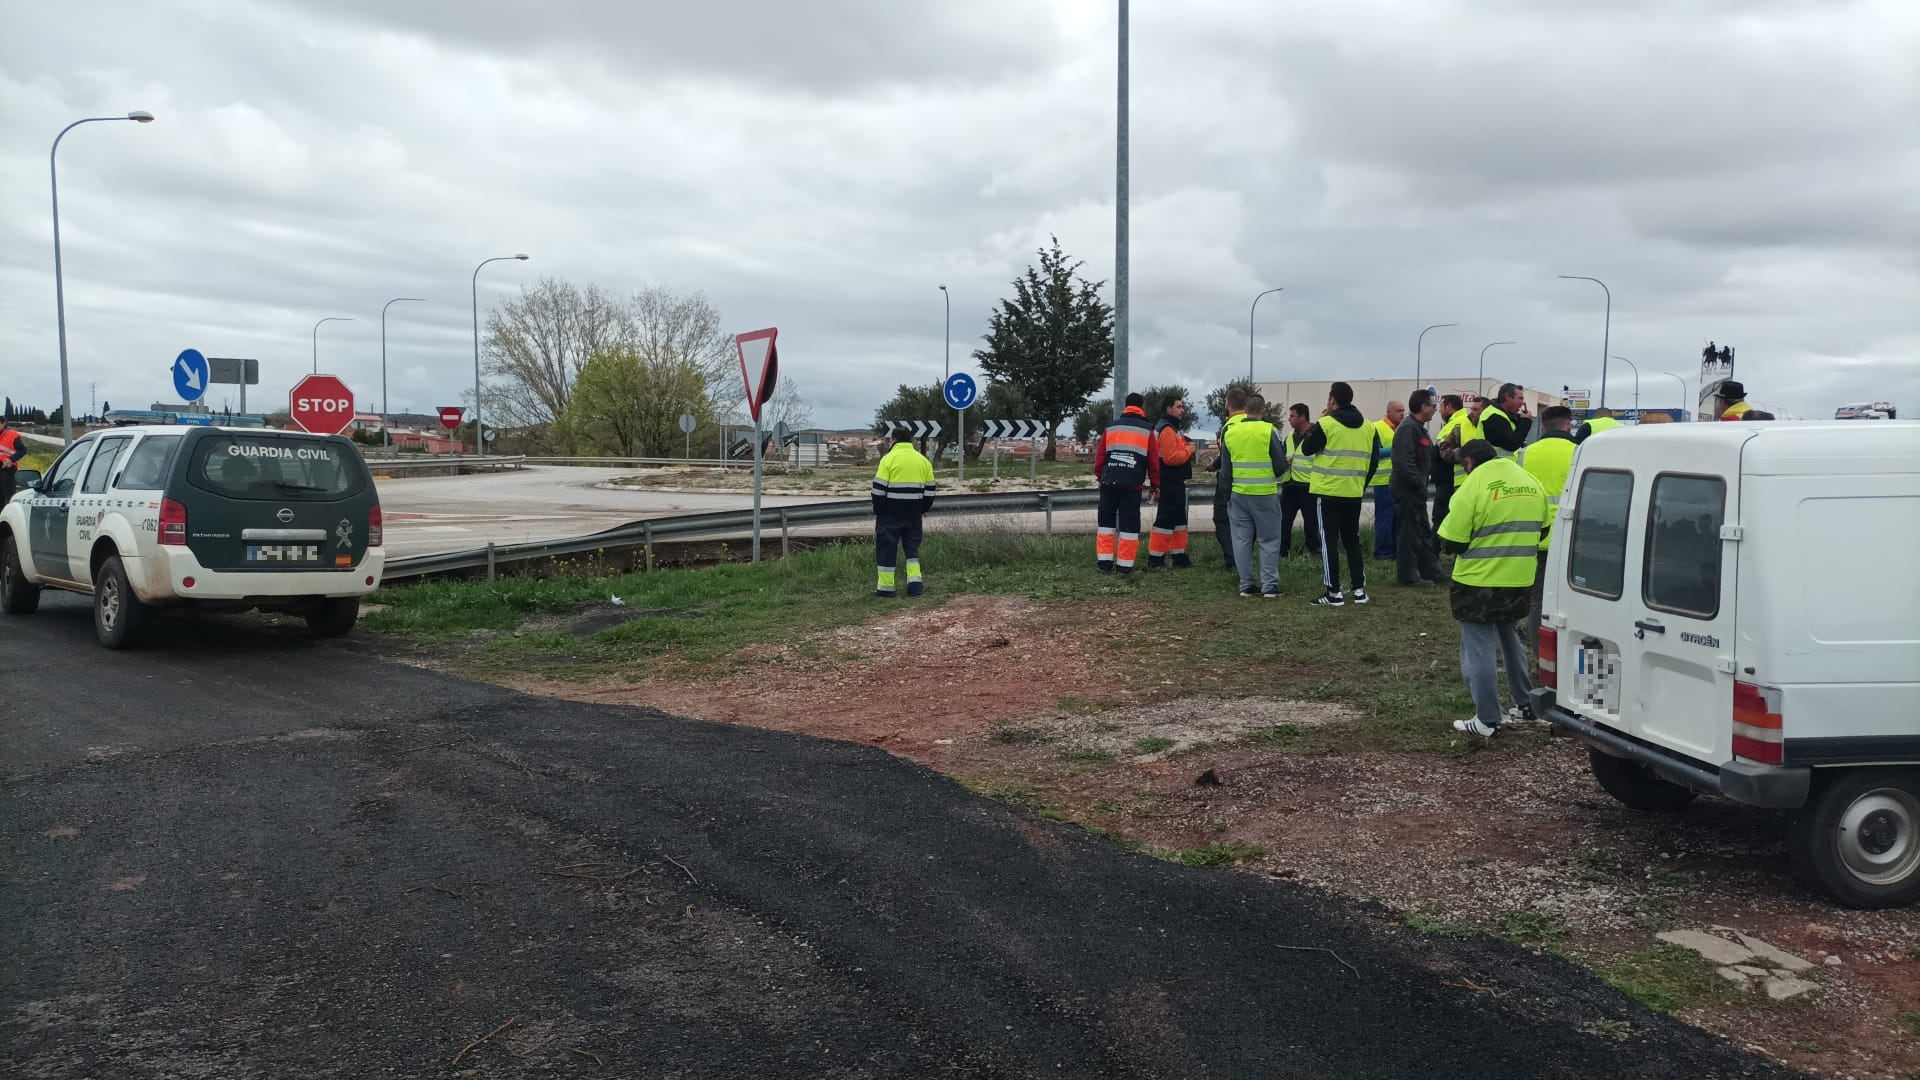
[146, 468]
[264, 467]
[1597, 563]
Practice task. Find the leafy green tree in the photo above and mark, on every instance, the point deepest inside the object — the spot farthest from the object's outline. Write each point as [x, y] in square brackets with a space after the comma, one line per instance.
[999, 401]
[1053, 338]
[625, 405]
[1217, 399]
[1159, 397]
[1092, 420]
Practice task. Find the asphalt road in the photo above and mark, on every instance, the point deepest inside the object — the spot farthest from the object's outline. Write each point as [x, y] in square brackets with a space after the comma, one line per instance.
[426, 514]
[237, 854]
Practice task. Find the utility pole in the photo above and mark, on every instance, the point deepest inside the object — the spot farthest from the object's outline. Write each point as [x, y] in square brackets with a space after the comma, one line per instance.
[1120, 230]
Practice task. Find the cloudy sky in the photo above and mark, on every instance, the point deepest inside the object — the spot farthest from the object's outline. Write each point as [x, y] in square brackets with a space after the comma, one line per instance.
[1741, 170]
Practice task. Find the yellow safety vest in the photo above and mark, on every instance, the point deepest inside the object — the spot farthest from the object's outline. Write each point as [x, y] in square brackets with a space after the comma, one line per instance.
[1385, 467]
[1462, 422]
[1549, 459]
[1340, 471]
[1301, 470]
[903, 481]
[1483, 423]
[1499, 513]
[1599, 424]
[1737, 411]
[1249, 446]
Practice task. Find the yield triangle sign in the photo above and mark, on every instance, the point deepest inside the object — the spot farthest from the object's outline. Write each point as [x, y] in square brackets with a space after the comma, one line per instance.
[759, 366]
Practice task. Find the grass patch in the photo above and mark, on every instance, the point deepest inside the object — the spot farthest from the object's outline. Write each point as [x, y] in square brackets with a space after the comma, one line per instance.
[1153, 744]
[1218, 853]
[1911, 1020]
[1442, 928]
[1611, 1030]
[1666, 978]
[1008, 734]
[1089, 757]
[1532, 927]
[1281, 737]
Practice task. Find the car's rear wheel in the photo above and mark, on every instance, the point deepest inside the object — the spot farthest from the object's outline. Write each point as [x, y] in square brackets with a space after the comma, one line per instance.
[118, 615]
[333, 616]
[1858, 837]
[18, 596]
[1636, 785]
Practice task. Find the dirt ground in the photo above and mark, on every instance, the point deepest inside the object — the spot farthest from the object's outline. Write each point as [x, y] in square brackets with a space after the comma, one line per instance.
[1513, 838]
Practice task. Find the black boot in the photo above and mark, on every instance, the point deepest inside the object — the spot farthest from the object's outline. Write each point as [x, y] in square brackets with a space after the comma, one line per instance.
[1104, 566]
[1181, 562]
[1156, 562]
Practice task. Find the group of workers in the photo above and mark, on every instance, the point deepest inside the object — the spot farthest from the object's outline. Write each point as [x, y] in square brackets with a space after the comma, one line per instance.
[1494, 498]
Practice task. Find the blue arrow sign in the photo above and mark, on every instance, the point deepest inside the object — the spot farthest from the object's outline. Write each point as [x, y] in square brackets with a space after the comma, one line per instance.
[190, 375]
[960, 390]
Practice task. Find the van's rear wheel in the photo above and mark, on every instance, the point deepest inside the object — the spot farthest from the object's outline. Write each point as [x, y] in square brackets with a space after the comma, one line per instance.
[18, 596]
[1858, 838]
[333, 616]
[118, 615]
[1636, 785]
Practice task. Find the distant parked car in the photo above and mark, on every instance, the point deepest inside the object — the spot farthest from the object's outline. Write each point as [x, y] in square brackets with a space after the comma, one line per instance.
[217, 518]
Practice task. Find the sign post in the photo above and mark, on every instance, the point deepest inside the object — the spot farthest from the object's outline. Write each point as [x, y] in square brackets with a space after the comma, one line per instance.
[321, 405]
[961, 392]
[760, 373]
[687, 425]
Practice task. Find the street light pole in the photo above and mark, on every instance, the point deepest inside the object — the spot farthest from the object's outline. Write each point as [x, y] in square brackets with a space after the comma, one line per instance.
[1420, 341]
[1120, 304]
[1636, 380]
[383, 361]
[1250, 311]
[1480, 387]
[1606, 332]
[479, 433]
[59, 286]
[316, 337]
[948, 297]
[1683, 391]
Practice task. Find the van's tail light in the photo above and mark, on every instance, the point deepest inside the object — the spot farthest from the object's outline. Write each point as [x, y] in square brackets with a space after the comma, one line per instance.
[173, 523]
[1757, 725]
[1549, 657]
[375, 527]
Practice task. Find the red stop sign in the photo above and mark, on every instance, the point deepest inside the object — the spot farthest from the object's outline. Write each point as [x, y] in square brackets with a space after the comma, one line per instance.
[322, 405]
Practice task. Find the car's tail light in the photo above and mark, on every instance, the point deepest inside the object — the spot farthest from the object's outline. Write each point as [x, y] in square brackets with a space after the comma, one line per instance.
[375, 529]
[173, 523]
[1758, 728]
[1549, 657]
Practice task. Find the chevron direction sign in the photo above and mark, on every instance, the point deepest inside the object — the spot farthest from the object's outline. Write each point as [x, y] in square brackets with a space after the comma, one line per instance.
[1016, 429]
[922, 429]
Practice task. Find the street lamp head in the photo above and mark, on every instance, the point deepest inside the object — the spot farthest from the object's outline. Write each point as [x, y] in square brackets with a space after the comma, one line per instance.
[943, 288]
[522, 258]
[140, 116]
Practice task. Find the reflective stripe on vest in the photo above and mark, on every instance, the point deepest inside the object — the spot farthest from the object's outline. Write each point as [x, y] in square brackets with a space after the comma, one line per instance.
[1340, 470]
[1301, 471]
[1506, 510]
[1549, 460]
[1249, 446]
[1385, 468]
[904, 476]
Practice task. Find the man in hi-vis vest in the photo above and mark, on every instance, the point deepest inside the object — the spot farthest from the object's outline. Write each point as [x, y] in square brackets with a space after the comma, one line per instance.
[1252, 459]
[1494, 528]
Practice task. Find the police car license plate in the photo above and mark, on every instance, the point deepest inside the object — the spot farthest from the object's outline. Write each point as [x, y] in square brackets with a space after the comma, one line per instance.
[283, 553]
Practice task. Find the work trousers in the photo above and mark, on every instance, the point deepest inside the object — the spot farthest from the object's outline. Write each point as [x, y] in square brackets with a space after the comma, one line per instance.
[891, 533]
[1383, 523]
[1442, 495]
[1416, 547]
[1298, 499]
[1480, 644]
[1223, 531]
[1169, 536]
[1256, 532]
[1116, 543]
[1340, 530]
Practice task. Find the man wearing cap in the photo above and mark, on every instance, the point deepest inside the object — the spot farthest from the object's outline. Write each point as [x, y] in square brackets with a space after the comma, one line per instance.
[1730, 401]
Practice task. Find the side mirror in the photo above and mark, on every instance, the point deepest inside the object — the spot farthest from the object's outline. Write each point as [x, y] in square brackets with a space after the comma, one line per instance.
[26, 478]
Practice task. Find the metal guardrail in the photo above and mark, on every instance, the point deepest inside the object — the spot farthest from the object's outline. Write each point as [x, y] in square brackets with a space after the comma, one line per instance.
[447, 461]
[643, 534]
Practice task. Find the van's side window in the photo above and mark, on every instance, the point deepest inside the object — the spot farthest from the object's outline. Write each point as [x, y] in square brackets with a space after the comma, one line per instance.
[1597, 562]
[1683, 545]
[147, 466]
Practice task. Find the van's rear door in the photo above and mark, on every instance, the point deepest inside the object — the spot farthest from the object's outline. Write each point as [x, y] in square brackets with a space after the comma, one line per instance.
[274, 501]
[1681, 663]
[1591, 578]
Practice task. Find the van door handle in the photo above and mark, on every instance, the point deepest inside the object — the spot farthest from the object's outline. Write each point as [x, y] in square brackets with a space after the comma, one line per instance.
[1641, 626]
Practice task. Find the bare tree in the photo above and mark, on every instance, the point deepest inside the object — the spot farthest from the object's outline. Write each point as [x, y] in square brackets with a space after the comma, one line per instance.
[787, 405]
[537, 344]
[668, 327]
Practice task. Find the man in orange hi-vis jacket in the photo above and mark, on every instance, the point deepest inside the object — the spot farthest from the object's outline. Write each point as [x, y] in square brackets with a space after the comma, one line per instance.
[1169, 535]
[1124, 460]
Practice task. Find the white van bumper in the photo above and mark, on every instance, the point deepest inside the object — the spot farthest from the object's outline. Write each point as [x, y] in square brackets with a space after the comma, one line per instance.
[163, 579]
[1782, 787]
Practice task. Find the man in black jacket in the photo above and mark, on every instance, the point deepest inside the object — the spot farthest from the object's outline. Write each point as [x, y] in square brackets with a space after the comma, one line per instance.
[1506, 422]
[1416, 548]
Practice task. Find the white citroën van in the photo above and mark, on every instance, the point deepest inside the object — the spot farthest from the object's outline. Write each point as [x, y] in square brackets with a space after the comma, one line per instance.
[1735, 608]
